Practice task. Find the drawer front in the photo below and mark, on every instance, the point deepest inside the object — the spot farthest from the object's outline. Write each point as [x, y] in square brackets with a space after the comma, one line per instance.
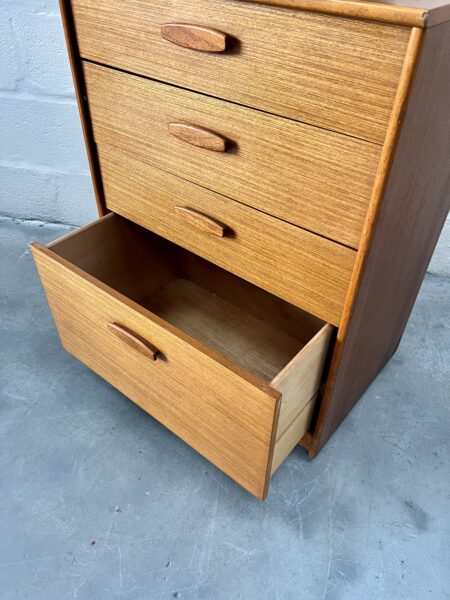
[296, 265]
[316, 179]
[227, 415]
[337, 73]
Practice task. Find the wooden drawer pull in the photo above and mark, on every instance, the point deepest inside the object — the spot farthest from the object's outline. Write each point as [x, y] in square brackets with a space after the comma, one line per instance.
[198, 136]
[133, 340]
[202, 221]
[195, 37]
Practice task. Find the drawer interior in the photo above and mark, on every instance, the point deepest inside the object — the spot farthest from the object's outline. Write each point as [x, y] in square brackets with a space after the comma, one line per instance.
[247, 325]
[201, 318]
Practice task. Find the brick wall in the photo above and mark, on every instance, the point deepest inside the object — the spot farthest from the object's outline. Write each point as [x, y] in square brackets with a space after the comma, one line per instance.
[43, 166]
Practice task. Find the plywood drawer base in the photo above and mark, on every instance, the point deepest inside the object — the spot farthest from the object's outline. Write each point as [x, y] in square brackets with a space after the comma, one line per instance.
[231, 369]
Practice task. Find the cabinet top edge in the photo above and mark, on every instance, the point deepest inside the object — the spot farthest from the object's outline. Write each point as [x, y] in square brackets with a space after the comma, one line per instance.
[410, 13]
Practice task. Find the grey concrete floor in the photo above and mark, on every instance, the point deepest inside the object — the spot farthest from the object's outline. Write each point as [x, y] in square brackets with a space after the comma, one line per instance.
[98, 501]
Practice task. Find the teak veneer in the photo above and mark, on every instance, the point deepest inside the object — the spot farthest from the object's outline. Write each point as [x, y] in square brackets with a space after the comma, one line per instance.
[271, 177]
[336, 73]
[223, 370]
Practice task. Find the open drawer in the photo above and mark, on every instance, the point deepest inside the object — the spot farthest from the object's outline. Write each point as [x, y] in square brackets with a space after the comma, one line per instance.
[231, 369]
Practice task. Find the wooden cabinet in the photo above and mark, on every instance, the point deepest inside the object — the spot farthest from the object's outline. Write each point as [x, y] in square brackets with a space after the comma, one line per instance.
[271, 177]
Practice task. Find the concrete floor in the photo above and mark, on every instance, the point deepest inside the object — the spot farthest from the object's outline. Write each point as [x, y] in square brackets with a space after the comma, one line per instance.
[98, 501]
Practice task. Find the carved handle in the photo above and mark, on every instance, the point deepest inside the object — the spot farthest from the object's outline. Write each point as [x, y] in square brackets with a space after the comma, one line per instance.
[198, 136]
[195, 37]
[133, 340]
[201, 221]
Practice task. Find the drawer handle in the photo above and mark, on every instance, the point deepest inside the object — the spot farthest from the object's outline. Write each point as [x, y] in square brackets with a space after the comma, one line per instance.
[195, 37]
[198, 136]
[133, 340]
[207, 224]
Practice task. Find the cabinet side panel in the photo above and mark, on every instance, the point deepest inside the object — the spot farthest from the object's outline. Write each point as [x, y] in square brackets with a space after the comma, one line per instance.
[78, 82]
[415, 204]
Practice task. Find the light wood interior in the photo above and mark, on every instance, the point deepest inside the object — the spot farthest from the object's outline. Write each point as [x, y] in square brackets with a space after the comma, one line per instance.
[248, 326]
[239, 336]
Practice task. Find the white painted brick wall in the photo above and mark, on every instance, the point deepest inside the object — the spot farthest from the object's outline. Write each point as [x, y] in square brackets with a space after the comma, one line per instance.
[43, 166]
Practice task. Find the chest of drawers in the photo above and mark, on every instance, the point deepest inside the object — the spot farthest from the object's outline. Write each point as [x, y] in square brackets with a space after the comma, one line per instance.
[271, 178]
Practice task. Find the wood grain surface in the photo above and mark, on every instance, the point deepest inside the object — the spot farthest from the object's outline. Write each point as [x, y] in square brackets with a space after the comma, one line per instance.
[340, 74]
[134, 341]
[224, 417]
[300, 267]
[415, 13]
[80, 93]
[343, 75]
[198, 136]
[299, 383]
[215, 360]
[267, 307]
[289, 439]
[316, 179]
[194, 37]
[201, 221]
[237, 335]
[413, 207]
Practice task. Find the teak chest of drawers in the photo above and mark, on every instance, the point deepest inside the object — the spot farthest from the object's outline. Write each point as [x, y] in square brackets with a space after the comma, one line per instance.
[271, 178]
